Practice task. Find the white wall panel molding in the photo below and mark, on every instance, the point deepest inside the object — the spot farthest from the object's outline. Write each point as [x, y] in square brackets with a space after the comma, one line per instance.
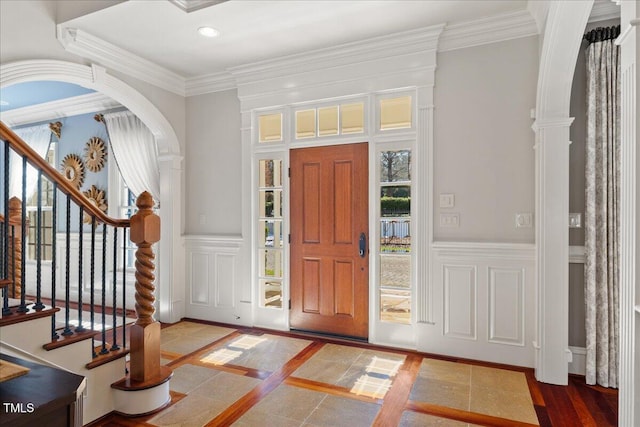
[506, 305]
[68, 107]
[485, 292]
[493, 29]
[213, 274]
[95, 49]
[475, 250]
[460, 301]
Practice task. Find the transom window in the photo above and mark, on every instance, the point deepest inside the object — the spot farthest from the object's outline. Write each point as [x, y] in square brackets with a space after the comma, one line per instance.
[333, 120]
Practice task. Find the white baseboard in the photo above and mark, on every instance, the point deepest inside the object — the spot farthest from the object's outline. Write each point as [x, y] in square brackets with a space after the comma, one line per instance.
[578, 365]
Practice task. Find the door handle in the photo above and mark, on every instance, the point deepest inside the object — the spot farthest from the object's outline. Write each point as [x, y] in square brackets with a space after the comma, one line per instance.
[363, 245]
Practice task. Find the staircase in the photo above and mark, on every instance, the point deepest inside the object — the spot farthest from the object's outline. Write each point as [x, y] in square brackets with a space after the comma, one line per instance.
[75, 327]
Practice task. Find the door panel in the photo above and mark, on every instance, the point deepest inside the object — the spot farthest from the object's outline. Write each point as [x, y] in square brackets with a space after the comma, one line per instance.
[329, 211]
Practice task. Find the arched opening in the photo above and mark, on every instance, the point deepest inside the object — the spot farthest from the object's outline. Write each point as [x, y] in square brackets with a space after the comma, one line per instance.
[170, 275]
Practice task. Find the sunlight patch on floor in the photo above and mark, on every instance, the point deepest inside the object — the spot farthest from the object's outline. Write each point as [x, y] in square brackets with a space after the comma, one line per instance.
[221, 357]
[370, 386]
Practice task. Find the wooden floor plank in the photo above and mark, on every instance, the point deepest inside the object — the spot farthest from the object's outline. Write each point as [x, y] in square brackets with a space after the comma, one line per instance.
[397, 397]
[464, 416]
[242, 405]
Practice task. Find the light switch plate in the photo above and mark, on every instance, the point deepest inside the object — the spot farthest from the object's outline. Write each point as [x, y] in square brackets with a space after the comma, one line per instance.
[575, 220]
[449, 220]
[447, 200]
[524, 220]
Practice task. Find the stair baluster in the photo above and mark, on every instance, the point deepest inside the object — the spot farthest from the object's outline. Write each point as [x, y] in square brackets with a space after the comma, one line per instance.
[39, 305]
[80, 327]
[67, 282]
[92, 307]
[54, 232]
[23, 225]
[104, 291]
[114, 302]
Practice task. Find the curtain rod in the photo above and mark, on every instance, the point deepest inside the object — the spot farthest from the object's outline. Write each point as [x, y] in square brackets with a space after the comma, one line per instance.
[602, 33]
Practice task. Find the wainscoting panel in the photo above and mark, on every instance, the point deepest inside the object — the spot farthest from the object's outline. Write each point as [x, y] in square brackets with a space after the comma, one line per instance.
[460, 301]
[199, 278]
[213, 272]
[483, 302]
[506, 306]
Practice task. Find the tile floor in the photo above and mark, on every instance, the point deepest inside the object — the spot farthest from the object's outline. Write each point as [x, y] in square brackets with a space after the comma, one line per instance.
[338, 385]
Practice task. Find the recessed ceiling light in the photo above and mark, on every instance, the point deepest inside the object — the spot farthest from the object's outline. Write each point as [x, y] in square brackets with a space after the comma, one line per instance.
[208, 32]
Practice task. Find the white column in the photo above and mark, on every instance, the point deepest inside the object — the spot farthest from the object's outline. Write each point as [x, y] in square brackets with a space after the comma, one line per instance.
[424, 209]
[552, 249]
[170, 271]
[629, 41]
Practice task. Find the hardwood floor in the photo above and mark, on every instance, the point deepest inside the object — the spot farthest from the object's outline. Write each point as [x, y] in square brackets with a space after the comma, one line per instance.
[296, 376]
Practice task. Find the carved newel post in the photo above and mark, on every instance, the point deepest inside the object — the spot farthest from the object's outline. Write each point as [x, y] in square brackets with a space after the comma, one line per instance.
[145, 333]
[15, 246]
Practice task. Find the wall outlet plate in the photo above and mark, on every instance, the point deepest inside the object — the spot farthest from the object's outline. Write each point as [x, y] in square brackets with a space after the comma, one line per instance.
[447, 200]
[575, 220]
[449, 220]
[524, 220]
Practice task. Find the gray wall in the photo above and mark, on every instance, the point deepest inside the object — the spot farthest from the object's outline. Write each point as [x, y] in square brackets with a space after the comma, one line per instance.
[483, 149]
[213, 164]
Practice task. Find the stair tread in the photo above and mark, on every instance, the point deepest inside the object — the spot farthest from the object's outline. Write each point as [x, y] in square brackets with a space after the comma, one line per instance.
[17, 317]
[71, 339]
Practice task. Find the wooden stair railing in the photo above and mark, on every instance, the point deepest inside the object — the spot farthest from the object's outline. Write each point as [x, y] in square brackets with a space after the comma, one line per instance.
[144, 230]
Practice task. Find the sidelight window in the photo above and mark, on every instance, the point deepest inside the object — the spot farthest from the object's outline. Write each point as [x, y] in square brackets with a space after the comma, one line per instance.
[395, 235]
[270, 232]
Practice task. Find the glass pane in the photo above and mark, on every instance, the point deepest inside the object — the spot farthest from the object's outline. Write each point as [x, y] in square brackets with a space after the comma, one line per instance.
[270, 172]
[395, 306]
[270, 263]
[270, 234]
[395, 271]
[305, 124]
[352, 118]
[270, 203]
[270, 128]
[395, 166]
[395, 113]
[328, 121]
[272, 291]
[395, 236]
[395, 200]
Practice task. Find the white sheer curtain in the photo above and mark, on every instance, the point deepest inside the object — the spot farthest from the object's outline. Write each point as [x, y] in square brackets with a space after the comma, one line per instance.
[135, 151]
[38, 138]
[602, 213]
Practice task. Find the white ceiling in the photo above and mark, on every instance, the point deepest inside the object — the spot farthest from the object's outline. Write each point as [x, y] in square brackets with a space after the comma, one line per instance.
[256, 30]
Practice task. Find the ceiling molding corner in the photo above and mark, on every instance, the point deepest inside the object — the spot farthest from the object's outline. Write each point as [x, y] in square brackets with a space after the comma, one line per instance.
[68, 107]
[95, 49]
[208, 83]
[193, 5]
[493, 29]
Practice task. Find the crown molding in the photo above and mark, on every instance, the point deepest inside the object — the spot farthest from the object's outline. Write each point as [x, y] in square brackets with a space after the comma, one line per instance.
[493, 29]
[193, 5]
[215, 82]
[398, 44]
[74, 106]
[90, 47]
[604, 10]
[429, 39]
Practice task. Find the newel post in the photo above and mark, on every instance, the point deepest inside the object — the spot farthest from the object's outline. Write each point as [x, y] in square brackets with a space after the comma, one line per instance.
[145, 333]
[15, 246]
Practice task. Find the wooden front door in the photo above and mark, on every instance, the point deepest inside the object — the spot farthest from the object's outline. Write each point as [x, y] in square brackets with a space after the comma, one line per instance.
[329, 240]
